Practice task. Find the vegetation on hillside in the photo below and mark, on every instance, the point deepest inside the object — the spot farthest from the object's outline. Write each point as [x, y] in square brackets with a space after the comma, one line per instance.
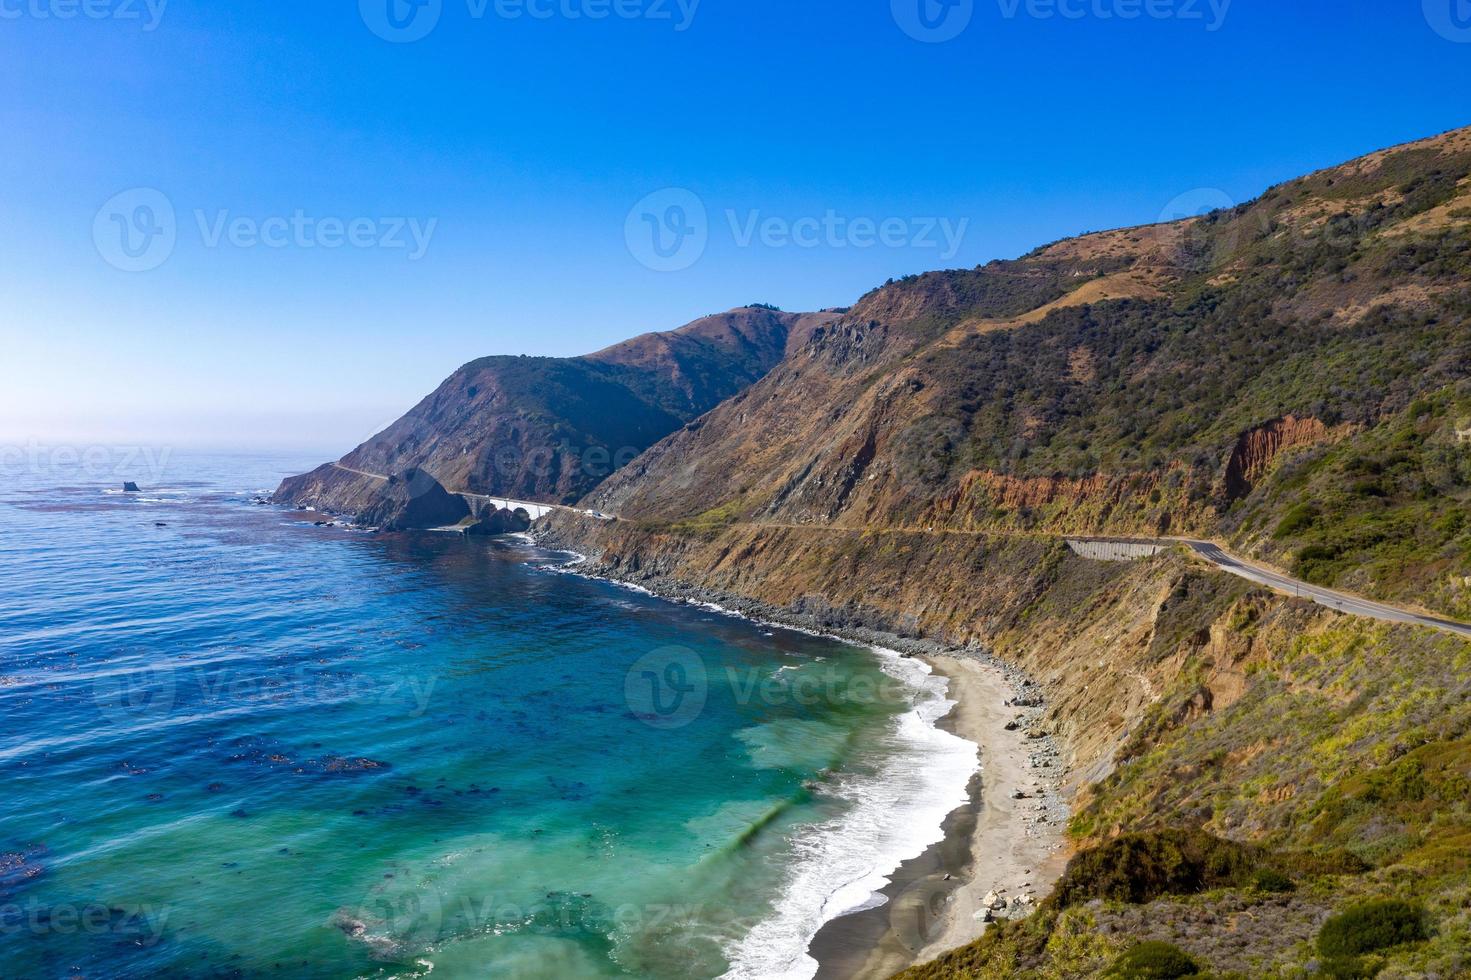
[1106, 384]
[1386, 513]
[1266, 777]
[1326, 807]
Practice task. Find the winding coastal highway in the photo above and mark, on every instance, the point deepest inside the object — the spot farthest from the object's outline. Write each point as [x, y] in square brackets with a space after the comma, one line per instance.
[1208, 550]
[1341, 601]
[349, 469]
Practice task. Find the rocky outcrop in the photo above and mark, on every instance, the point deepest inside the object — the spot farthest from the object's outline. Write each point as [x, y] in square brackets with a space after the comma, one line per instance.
[329, 489]
[413, 500]
[1259, 448]
[494, 521]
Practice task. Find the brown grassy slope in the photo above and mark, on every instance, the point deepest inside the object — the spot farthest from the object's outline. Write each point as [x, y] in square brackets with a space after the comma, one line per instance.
[1117, 383]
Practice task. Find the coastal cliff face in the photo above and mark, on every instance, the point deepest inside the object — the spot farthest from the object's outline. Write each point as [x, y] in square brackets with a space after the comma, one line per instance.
[413, 501]
[1183, 699]
[550, 429]
[1290, 376]
[1017, 597]
[1170, 380]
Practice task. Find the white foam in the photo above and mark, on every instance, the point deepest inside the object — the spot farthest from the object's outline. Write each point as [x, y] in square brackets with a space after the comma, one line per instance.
[842, 864]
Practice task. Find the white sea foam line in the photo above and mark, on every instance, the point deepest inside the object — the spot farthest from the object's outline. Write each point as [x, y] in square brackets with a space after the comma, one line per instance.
[842, 864]
[895, 818]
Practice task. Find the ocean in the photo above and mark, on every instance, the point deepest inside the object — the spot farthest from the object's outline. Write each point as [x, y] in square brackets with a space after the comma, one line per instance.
[236, 744]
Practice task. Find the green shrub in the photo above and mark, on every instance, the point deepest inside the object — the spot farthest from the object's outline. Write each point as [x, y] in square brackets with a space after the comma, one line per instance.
[1138, 868]
[1298, 519]
[1401, 783]
[1371, 926]
[1270, 880]
[1153, 961]
[1304, 864]
[1346, 968]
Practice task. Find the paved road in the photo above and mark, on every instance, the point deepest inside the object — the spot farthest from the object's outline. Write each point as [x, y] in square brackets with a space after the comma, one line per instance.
[1218, 556]
[349, 469]
[1211, 552]
[1341, 601]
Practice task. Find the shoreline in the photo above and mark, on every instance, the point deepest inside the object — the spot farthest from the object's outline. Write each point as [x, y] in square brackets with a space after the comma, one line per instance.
[994, 842]
[991, 844]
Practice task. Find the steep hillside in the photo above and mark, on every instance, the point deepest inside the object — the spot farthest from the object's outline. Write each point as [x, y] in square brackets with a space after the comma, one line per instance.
[1188, 701]
[550, 429]
[1150, 380]
[1287, 766]
[1292, 376]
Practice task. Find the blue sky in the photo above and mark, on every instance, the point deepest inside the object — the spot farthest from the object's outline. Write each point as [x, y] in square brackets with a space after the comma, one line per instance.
[354, 216]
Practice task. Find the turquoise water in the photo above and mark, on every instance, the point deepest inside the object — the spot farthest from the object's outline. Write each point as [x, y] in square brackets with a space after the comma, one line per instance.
[240, 745]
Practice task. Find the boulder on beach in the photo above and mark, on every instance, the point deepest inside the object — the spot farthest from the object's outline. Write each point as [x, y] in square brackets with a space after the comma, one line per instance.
[131, 487]
[413, 500]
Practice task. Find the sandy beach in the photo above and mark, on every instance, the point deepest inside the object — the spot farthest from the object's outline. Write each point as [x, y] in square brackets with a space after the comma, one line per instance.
[997, 843]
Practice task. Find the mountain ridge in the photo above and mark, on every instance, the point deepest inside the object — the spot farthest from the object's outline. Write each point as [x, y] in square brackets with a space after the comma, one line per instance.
[1062, 391]
[549, 429]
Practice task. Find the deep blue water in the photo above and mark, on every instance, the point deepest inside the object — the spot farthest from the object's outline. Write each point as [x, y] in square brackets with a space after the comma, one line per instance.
[236, 744]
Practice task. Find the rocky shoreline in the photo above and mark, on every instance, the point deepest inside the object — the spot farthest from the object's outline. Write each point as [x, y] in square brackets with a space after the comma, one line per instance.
[1001, 852]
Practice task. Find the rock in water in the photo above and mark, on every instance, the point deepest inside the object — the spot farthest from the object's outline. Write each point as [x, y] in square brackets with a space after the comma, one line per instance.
[131, 487]
[413, 500]
[20, 868]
